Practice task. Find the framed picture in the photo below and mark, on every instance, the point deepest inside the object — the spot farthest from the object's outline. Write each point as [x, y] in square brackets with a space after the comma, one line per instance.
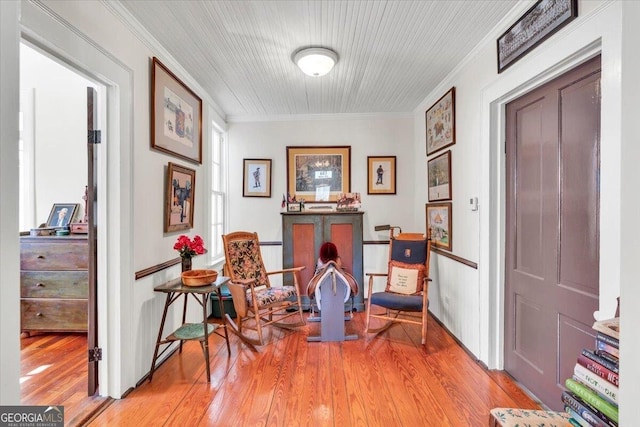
[318, 174]
[381, 175]
[62, 214]
[181, 183]
[441, 122]
[538, 23]
[439, 184]
[439, 222]
[256, 178]
[176, 116]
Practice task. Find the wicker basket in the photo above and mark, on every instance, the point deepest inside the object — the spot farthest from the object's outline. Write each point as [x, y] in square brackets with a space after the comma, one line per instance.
[199, 277]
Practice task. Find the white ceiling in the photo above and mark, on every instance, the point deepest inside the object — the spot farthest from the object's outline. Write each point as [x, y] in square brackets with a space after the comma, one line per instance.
[392, 53]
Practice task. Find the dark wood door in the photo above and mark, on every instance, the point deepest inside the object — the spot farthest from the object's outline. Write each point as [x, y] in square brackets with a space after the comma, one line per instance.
[92, 200]
[552, 240]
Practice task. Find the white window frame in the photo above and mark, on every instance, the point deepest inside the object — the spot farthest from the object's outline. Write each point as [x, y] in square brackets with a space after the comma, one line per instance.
[219, 194]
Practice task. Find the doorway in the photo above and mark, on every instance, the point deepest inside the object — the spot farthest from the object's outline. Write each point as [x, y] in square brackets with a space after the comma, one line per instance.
[552, 229]
[53, 169]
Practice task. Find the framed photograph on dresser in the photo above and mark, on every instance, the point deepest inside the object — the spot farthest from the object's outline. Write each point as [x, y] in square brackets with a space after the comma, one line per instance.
[62, 214]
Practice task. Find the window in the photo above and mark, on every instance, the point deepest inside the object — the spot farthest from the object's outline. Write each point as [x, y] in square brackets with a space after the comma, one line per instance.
[218, 196]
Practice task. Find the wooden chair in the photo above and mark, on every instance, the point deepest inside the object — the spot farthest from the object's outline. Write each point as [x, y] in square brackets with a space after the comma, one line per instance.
[405, 296]
[254, 299]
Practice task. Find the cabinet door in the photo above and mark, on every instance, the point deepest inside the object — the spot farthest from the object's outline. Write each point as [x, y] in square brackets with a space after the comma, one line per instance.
[345, 231]
[302, 236]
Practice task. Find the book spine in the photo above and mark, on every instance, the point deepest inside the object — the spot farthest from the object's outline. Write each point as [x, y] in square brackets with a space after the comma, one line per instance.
[597, 368]
[614, 360]
[591, 397]
[601, 360]
[590, 415]
[608, 339]
[605, 388]
[603, 346]
[576, 419]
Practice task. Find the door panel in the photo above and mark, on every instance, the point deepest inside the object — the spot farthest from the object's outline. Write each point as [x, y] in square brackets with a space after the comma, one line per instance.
[552, 229]
[579, 216]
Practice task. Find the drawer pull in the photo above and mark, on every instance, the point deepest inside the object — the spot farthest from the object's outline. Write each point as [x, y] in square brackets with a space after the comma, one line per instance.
[40, 256]
[38, 314]
[39, 285]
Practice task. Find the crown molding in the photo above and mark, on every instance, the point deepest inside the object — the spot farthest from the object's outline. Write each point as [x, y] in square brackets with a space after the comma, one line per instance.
[142, 34]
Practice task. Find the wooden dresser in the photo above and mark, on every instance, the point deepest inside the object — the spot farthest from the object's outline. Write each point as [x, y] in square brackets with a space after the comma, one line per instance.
[54, 283]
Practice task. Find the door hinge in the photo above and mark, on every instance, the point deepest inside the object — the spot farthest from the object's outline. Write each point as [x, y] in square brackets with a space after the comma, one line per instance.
[93, 137]
[95, 354]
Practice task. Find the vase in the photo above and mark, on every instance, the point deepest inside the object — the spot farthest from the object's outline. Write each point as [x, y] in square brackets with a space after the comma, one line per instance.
[186, 264]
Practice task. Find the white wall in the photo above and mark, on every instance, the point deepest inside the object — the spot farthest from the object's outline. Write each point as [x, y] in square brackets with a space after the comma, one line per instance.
[478, 170]
[367, 135]
[60, 116]
[132, 183]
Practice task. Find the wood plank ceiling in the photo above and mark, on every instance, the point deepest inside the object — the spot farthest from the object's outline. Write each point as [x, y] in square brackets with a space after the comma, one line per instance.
[392, 53]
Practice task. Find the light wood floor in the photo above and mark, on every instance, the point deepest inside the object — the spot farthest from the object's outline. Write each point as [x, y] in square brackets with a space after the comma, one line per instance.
[53, 371]
[388, 381]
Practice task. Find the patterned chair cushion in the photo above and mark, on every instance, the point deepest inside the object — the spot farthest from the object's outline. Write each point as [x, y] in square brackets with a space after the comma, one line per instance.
[267, 296]
[510, 417]
[246, 263]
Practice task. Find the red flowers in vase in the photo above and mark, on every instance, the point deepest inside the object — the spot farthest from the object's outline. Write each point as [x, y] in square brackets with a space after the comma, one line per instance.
[189, 248]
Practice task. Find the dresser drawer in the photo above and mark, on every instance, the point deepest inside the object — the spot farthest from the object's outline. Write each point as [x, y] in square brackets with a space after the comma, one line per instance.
[54, 284]
[54, 256]
[53, 315]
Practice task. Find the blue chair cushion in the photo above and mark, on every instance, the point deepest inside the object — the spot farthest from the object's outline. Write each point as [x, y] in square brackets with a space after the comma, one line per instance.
[409, 251]
[397, 301]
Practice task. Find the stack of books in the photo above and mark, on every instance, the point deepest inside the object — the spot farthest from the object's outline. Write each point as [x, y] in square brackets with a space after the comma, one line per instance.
[592, 395]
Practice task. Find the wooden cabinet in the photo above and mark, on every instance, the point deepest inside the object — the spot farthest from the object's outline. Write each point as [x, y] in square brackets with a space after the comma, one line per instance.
[54, 283]
[303, 233]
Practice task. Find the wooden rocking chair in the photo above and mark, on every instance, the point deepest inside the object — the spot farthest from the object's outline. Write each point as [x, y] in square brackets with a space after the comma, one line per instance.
[254, 299]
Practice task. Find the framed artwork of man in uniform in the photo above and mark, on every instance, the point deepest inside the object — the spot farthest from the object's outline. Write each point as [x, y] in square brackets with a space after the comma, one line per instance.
[381, 175]
[61, 214]
[256, 178]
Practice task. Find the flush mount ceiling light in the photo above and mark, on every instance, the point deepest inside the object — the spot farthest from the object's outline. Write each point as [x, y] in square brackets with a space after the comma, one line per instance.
[315, 61]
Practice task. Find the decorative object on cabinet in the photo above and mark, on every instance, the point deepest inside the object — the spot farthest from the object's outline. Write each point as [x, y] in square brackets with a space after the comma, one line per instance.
[439, 223]
[537, 24]
[348, 202]
[256, 302]
[61, 214]
[256, 178]
[304, 233]
[405, 297]
[176, 115]
[180, 189]
[439, 183]
[318, 174]
[54, 283]
[381, 174]
[294, 207]
[441, 122]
